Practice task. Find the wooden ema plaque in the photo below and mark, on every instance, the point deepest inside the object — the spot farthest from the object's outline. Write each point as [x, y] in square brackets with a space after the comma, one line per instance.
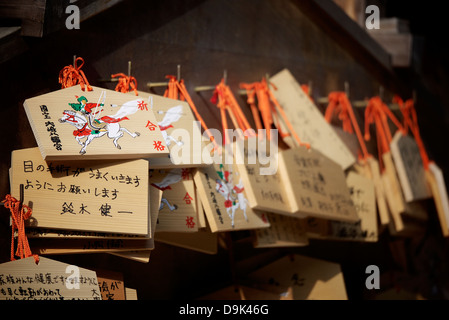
[178, 210]
[99, 124]
[393, 192]
[307, 120]
[224, 200]
[435, 179]
[296, 181]
[315, 185]
[125, 245]
[49, 280]
[305, 278]
[107, 196]
[409, 166]
[263, 185]
[181, 132]
[373, 173]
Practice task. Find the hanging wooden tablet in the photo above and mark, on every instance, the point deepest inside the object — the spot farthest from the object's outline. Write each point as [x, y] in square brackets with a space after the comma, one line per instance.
[363, 197]
[98, 124]
[340, 109]
[111, 284]
[181, 133]
[73, 245]
[382, 208]
[106, 196]
[264, 187]
[155, 196]
[307, 119]
[437, 184]
[308, 278]
[284, 231]
[378, 113]
[433, 173]
[370, 170]
[144, 255]
[315, 185]
[178, 209]
[393, 192]
[224, 200]
[398, 208]
[409, 166]
[49, 280]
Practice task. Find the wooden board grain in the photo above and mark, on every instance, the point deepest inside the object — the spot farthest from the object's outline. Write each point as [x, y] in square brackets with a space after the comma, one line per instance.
[110, 197]
[223, 198]
[409, 166]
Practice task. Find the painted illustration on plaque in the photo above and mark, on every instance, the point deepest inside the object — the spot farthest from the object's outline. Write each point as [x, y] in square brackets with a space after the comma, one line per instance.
[86, 117]
[173, 176]
[234, 198]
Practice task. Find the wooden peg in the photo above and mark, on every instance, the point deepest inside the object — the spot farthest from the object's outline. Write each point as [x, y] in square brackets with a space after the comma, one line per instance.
[178, 73]
[267, 77]
[225, 76]
[347, 88]
[204, 88]
[156, 84]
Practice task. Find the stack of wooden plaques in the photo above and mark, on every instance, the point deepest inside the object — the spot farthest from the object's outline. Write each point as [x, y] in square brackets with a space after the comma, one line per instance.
[316, 192]
[91, 180]
[298, 200]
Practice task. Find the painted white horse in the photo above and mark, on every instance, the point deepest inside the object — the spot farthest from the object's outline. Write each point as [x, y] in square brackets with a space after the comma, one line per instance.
[234, 198]
[86, 128]
[171, 115]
